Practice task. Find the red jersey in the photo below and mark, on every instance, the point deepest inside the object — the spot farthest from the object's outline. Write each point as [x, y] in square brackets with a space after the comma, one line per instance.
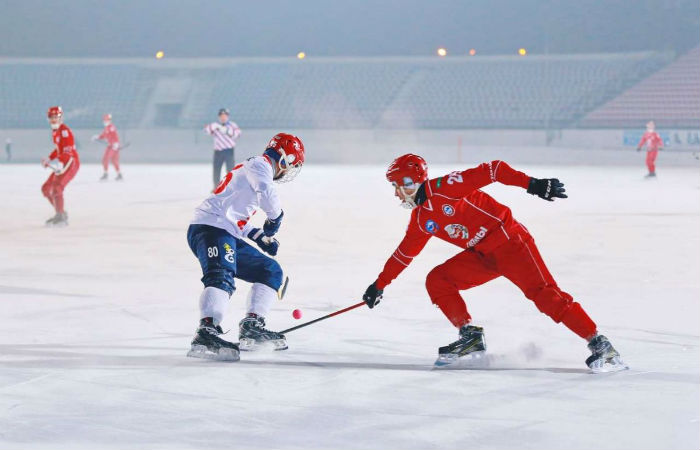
[457, 211]
[652, 140]
[110, 135]
[65, 146]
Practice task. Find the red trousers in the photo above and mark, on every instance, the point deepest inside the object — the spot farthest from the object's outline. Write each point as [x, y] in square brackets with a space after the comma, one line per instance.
[110, 155]
[54, 186]
[651, 160]
[520, 262]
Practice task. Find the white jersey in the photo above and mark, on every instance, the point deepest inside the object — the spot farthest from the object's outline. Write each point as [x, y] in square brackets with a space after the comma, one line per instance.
[246, 188]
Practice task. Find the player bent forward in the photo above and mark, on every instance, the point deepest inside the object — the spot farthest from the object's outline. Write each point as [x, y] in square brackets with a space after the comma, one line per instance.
[453, 208]
[216, 236]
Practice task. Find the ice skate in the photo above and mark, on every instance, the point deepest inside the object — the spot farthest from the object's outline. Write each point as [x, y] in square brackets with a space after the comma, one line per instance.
[469, 350]
[58, 221]
[650, 175]
[604, 357]
[103, 177]
[254, 336]
[208, 345]
[50, 222]
[119, 177]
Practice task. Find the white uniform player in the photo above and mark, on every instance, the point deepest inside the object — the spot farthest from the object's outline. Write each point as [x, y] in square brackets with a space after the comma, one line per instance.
[217, 237]
[246, 188]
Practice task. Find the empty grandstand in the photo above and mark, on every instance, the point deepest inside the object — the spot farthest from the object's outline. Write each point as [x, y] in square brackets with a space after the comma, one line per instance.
[534, 92]
[671, 97]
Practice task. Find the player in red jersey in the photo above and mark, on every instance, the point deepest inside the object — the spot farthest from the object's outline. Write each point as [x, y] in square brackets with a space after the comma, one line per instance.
[64, 163]
[654, 143]
[453, 208]
[110, 135]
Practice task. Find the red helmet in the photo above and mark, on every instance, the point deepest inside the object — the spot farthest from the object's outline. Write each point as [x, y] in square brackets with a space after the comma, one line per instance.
[55, 111]
[288, 153]
[107, 118]
[407, 171]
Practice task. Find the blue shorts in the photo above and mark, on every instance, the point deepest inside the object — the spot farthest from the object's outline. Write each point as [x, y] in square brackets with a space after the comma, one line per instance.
[224, 257]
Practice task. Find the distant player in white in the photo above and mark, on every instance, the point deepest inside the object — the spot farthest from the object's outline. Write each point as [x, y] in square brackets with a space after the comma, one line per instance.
[217, 236]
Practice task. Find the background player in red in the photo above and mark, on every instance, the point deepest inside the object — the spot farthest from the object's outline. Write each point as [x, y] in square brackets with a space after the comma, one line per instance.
[453, 208]
[110, 135]
[64, 162]
[654, 143]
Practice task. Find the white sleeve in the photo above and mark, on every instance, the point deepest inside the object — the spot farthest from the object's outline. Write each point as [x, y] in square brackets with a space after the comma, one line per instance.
[236, 130]
[207, 128]
[259, 175]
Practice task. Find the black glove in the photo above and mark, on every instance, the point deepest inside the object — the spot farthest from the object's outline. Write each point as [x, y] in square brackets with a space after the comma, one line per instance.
[547, 188]
[639, 148]
[372, 295]
[272, 226]
[267, 244]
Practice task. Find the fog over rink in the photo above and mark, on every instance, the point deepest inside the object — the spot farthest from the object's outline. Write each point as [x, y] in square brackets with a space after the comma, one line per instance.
[97, 318]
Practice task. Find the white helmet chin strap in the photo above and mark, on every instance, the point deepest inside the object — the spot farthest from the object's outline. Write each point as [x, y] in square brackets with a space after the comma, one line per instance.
[409, 200]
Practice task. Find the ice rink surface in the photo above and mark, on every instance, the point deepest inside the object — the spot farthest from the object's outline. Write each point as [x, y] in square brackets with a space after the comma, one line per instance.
[97, 318]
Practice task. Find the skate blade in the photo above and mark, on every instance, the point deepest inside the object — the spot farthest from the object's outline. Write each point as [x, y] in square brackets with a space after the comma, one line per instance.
[251, 345]
[224, 354]
[474, 360]
[609, 366]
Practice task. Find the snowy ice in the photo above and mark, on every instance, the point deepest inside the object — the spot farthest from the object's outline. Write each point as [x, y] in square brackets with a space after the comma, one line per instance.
[97, 319]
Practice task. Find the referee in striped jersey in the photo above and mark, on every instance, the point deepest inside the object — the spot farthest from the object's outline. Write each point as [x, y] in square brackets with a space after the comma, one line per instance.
[224, 132]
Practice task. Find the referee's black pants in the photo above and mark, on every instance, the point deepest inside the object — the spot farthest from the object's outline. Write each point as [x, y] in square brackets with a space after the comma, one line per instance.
[221, 156]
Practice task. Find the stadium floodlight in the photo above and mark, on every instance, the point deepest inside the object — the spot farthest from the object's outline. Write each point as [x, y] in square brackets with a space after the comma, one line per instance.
[441, 51]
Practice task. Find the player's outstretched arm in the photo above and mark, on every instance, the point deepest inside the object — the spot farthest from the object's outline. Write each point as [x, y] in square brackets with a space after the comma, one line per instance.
[547, 188]
[460, 184]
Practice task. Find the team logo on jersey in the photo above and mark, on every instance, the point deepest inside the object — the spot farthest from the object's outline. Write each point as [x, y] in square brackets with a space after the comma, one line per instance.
[448, 210]
[431, 226]
[229, 256]
[457, 231]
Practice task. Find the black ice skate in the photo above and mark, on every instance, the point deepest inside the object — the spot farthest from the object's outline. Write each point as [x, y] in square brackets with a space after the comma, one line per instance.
[253, 335]
[650, 175]
[208, 345]
[103, 177]
[119, 177]
[469, 348]
[59, 220]
[604, 358]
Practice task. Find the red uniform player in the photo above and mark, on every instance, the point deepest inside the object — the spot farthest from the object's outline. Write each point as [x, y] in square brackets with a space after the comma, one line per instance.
[110, 135]
[64, 162]
[453, 208]
[654, 143]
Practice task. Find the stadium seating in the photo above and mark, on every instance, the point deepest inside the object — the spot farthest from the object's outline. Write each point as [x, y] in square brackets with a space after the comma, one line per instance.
[671, 97]
[466, 92]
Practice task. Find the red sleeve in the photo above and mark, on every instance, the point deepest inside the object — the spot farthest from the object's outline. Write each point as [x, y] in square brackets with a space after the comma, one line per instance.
[103, 134]
[54, 154]
[460, 184]
[411, 245]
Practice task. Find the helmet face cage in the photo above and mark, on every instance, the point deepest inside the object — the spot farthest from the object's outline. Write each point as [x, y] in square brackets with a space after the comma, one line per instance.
[288, 169]
[55, 112]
